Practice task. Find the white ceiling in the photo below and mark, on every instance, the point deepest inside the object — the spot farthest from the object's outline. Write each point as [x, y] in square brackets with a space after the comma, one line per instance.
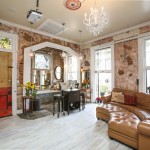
[121, 15]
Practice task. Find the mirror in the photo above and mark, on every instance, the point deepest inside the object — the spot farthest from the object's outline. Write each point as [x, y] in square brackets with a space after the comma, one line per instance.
[58, 73]
[85, 78]
[41, 77]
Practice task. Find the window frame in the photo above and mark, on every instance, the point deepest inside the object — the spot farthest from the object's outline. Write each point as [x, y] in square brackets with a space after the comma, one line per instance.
[142, 63]
[72, 72]
[92, 60]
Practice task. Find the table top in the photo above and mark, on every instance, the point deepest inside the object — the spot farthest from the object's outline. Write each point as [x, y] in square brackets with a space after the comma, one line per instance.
[69, 90]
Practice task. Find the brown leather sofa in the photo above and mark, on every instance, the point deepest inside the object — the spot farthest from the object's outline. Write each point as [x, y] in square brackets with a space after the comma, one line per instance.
[127, 124]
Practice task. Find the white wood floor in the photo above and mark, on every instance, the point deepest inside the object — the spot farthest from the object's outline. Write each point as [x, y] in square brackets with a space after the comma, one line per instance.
[78, 131]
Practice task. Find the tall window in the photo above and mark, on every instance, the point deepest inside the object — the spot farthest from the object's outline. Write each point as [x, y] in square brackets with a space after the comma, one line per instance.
[147, 64]
[72, 68]
[103, 71]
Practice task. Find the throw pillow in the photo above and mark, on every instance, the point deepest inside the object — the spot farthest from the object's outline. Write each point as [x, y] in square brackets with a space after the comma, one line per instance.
[115, 96]
[120, 98]
[130, 100]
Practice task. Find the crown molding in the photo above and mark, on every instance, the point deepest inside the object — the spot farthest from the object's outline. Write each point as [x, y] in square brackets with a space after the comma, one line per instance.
[118, 32]
[35, 31]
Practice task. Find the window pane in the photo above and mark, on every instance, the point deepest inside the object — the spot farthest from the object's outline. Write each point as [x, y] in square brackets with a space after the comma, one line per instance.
[103, 59]
[104, 82]
[5, 43]
[41, 61]
[148, 58]
[148, 80]
[108, 64]
[72, 68]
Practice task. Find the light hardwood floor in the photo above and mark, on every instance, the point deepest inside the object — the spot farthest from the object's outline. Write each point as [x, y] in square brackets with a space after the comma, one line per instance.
[78, 131]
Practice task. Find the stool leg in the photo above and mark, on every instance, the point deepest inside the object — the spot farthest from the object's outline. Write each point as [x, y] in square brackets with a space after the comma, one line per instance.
[63, 107]
[58, 108]
[53, 108]
[25, 107]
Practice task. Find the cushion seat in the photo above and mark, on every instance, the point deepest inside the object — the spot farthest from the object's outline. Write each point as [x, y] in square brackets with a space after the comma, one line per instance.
[104, 111]
[124, 123]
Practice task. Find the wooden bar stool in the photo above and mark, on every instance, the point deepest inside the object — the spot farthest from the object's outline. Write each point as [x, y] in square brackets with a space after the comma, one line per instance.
[58, 98]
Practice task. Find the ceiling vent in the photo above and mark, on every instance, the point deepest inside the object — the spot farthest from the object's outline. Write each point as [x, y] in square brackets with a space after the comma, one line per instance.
[51, 27]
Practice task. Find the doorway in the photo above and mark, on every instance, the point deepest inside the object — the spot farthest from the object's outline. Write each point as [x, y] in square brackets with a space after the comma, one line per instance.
[8, 74]
[5, 84]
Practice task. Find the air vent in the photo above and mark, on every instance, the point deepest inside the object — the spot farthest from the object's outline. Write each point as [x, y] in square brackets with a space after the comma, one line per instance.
[51, 27]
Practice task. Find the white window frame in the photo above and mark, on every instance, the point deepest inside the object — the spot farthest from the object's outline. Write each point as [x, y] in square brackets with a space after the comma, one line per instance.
[142, 63]
[13, 50]
[92, 60]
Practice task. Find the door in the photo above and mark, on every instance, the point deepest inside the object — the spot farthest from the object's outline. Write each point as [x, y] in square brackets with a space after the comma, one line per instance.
[5, 84]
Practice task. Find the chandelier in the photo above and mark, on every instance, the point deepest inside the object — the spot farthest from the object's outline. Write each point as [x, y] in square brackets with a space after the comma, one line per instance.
[96, 20]
[73, 4]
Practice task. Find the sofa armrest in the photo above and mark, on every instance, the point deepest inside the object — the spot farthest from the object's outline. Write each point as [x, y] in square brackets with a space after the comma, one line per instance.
[144, 128]
[106, 99]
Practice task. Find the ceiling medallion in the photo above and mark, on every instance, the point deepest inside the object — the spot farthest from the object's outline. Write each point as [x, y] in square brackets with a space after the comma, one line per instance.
[73, 4]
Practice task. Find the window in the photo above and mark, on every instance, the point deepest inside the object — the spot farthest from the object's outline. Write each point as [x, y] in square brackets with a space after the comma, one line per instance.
[72, 68]
[147, 64]
[5, 43]
[41, 61]
[103, 71]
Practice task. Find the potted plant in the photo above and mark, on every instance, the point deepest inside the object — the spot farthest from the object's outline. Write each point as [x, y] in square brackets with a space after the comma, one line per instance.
[103, 89]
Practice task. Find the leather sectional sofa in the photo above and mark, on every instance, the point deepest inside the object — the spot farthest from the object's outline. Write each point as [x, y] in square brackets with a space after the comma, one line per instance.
[127, 124]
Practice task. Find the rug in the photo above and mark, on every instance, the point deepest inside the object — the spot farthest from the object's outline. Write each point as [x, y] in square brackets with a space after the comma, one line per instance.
[46, 110]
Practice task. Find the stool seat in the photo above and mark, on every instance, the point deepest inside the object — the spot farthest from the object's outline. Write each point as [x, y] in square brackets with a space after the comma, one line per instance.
[58, 97]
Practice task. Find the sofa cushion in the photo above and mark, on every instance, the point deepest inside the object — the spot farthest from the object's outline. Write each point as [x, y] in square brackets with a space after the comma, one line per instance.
[125, 92]
[127, 107]
[143, 100]
[109, 108]
[142, 114]
[124, 123]
[117, 97]
[130, 100]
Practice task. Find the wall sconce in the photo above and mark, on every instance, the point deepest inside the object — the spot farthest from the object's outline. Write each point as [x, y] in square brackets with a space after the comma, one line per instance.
[81, 69]
[31, 54]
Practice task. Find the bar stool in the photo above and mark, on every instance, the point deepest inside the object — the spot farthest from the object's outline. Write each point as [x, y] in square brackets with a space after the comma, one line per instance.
[58, 98]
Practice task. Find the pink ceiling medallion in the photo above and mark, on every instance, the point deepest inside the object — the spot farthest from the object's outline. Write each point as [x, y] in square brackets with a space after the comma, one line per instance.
[73, 4]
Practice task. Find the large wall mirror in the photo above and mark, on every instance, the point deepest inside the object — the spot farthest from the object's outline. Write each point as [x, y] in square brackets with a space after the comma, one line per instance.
[58, 73]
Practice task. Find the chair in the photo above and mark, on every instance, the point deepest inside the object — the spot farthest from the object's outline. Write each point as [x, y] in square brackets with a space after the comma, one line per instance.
[88, 95]
[71, 100]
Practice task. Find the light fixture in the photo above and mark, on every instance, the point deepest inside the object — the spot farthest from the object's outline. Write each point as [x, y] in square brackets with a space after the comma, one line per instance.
[96, 20]
[34, 15]
[63, 54]
[73, 4]
[81, 57]
[81, 69]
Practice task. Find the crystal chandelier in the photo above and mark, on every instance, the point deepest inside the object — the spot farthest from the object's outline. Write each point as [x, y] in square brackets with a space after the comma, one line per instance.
[73, 4]
[96, 20]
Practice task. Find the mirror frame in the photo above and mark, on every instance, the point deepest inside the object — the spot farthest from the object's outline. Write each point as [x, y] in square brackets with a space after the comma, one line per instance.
[61, 73]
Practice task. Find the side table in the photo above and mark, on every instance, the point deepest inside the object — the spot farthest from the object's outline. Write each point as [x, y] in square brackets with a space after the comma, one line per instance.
[24, 108]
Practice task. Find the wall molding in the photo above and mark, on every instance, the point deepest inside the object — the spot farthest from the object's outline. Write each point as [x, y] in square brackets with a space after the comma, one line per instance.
[118, 32]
